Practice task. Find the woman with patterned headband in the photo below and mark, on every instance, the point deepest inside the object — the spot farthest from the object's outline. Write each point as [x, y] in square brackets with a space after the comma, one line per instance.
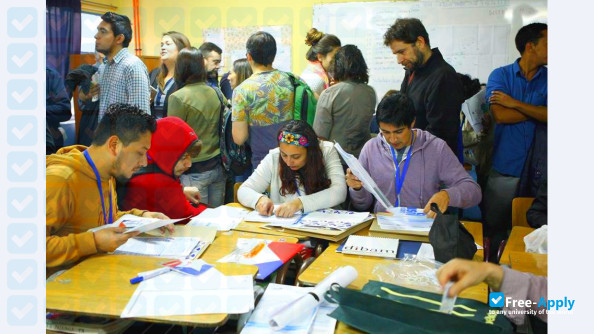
[303, 173]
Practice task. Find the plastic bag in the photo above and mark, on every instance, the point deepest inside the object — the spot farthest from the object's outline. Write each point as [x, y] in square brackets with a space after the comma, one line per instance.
[536, 241]
[411, 272]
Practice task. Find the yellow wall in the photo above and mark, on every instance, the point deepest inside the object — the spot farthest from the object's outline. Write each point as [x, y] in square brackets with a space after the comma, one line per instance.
[191, 16]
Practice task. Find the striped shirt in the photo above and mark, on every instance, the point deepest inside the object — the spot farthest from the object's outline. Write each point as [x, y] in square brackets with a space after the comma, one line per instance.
[124, 80]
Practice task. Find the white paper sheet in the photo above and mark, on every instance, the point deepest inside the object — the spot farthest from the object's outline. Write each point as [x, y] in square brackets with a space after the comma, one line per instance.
[275, 297]
[224, 218]
[245, 245]
[300, 307]
[426, 252]
[134, 223]
[323, 323]
[472, 109]
[273, 220]
[364, 176]
[178, 294]
[159, 247]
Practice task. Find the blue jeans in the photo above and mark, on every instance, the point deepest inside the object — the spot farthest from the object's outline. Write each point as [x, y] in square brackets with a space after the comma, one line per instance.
[210, 183]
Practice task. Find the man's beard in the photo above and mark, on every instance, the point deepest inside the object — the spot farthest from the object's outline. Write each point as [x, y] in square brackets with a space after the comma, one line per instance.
[104, 51]
[420, 59]
[214, 74]
[118, 176]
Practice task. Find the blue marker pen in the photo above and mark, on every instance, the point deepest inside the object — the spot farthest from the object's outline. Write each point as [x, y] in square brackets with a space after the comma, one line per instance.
[149, 274]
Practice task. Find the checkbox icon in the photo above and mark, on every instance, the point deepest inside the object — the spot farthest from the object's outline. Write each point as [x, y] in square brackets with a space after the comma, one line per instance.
[21, 22]
[22, 94]
[22, 58]
[242, 17]
[21, 238]
[21, 274]
[496, 299]
[22, 202]
[172, 19]
[21, 130]
[21, 310]
[22, 166]
[204, 18]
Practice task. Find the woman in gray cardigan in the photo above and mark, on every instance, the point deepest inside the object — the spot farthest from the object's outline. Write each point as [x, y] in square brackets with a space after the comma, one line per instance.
[303, 173]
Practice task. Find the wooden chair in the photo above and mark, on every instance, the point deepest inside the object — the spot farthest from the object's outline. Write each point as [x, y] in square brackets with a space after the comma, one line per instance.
[520, 206]
[235, 188]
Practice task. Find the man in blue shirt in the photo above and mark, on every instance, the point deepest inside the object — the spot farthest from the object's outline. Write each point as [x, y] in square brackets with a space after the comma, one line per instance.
[517, 95]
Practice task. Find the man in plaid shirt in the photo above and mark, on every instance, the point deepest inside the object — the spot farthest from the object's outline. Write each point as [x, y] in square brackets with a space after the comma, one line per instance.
[125, 77]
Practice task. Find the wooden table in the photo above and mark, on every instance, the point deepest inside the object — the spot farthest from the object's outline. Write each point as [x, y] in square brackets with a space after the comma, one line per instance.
[515, 243]
[529, 262]
[100, 285]
[330, 260]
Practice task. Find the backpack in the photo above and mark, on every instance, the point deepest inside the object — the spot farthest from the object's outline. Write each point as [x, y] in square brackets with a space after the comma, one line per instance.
[305, 100]
[235, 158]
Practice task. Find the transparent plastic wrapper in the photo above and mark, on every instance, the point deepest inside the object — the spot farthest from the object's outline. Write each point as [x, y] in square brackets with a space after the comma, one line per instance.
[411, 272]
[536, 241]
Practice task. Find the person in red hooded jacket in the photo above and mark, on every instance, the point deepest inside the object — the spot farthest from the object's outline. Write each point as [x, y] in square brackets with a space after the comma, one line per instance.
[157, 187]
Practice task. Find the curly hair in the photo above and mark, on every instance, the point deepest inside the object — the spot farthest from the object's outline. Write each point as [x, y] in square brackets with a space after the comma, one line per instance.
[406, 30]
[125, 121]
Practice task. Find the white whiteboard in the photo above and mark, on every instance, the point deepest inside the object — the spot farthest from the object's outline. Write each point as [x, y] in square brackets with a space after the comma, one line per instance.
[474, 36]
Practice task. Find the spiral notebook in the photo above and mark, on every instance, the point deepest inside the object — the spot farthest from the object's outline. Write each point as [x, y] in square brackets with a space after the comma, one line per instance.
[371, 246]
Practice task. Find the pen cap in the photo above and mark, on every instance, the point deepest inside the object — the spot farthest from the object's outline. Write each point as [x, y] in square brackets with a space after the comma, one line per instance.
[136, 279]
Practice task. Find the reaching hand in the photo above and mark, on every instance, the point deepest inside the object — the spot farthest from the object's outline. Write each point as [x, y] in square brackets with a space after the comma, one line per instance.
[264, 206]
[289, 209]
[192, 194]
[353, 181]
[466, 273]
[109, 239]
[442, 199]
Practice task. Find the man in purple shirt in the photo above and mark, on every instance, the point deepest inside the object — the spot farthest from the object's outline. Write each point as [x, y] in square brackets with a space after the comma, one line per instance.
[412, 167]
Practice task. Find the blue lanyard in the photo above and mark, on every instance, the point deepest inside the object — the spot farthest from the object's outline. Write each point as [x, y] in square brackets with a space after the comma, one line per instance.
[399, 178]
[90, 161]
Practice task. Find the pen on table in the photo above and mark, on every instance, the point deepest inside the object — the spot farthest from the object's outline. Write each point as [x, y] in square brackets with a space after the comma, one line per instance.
[254, 251]
[149, 274]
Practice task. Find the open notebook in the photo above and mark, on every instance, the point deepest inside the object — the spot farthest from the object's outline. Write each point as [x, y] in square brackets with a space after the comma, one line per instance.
[371, 246]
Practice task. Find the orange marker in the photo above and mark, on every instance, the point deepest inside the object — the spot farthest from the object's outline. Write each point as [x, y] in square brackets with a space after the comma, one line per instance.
[255, 250]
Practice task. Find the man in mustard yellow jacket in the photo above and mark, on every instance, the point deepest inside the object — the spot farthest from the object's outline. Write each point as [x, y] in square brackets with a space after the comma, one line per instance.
[81, 192]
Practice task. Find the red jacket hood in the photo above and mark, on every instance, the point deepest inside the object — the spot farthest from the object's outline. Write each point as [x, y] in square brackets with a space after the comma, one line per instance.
[169, 142]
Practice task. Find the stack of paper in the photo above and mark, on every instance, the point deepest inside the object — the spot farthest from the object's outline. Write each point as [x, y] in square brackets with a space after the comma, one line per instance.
[174, 293]
[224, 218]
[405, 219]
[333, 219]
[275, 298]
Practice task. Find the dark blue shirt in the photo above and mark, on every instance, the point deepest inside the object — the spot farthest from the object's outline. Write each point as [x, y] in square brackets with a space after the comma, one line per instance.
[56, 99]
[512, 141]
